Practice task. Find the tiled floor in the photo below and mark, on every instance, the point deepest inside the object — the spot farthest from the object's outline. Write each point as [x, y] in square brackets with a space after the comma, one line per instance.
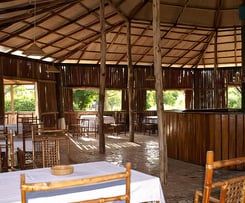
[183, 178]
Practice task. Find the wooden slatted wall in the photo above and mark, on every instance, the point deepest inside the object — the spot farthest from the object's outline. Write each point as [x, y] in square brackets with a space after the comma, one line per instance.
[191, 134]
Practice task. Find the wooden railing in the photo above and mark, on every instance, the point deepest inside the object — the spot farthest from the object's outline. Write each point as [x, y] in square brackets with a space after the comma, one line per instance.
[191, 134]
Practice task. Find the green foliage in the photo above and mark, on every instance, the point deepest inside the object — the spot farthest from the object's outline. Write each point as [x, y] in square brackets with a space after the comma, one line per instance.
[173, 99]
[83, 99]
[234, 97]
[113, 100]
[170, 97]
[20, 105]
[24, 98]
[150, 99]
[89, 99]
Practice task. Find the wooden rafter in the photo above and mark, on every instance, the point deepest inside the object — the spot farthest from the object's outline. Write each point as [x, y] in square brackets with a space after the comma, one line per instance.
[93, 38]
[40, 9]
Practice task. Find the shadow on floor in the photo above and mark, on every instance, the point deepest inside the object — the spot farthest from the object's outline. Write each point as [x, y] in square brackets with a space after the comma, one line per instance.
[183, 178]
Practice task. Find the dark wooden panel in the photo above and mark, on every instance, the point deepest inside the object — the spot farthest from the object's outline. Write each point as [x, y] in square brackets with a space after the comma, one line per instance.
[232, 136]
[191, 134]
[225, 136]
[240, 135]
[217, 136]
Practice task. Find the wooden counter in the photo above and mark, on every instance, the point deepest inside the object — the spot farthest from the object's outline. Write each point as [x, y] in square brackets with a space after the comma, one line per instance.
[191, 134]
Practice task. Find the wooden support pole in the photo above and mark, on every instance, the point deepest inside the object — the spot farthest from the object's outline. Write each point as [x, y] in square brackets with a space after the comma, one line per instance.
[102, 79]
[130, 85]
[159, 91]
[216, 86]
[242, 18]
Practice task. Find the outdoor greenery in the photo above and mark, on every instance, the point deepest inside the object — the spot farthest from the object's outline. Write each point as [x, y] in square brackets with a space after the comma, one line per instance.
[85, 99]
[234, 98]
[89, 99]
[173, 99]
[24, 98]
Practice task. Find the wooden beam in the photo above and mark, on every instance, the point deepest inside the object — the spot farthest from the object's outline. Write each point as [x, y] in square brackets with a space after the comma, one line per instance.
[163, 157]
[102, 78]
[130, 85]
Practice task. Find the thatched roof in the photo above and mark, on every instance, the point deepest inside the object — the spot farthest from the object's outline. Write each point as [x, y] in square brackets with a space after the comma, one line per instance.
[69, 30]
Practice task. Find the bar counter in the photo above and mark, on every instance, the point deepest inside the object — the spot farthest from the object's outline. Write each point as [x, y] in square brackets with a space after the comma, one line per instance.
[191, 133]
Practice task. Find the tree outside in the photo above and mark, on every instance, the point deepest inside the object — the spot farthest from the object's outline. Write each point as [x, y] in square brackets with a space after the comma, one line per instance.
[24, 97]
[173, 99]
[234, 97]
[87, 100]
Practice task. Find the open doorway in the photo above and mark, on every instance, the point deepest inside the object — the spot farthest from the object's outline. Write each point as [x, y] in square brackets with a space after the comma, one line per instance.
[19, 97]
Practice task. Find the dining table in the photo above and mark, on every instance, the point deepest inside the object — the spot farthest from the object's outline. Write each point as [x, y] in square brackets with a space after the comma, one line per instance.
[93, 119]
[91, 122]
[16, 129]
[150, 119]
[143, 187]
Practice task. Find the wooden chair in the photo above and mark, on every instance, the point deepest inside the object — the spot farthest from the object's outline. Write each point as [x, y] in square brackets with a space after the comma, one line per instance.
[6, 151]
[45, 186]
[226, 190]
[25, 157]
[149, 126]
[121, 123]
[74, 128]
[88, 127]
[85, 127]
[45, 149]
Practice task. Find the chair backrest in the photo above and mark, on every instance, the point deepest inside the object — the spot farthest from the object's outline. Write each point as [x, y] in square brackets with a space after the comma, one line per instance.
[6, 151]
[45, 149]
[45, 186]
[229, 189]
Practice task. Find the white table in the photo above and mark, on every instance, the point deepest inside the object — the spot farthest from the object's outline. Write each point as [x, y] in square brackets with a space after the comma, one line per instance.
[13, 127]
[150, 119]
[107, 119]
[144, 187]
[18, 143]
[93, 119]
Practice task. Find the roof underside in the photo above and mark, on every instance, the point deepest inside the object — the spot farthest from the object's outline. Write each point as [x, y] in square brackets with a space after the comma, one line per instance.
[194, 33]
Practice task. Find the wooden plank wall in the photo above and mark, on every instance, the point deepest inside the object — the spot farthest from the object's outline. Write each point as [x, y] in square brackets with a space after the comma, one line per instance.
[19, 68]
[191, 134]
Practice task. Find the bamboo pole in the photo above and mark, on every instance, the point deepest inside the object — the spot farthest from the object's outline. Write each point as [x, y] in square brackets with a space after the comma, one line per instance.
[130, 85]
[102, 79]
[2, 96]
[159, 91]
[242, 18]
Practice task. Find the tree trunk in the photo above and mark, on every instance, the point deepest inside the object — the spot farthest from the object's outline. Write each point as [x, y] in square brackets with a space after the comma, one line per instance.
[102, 80]
[159, 91]
[130, 86]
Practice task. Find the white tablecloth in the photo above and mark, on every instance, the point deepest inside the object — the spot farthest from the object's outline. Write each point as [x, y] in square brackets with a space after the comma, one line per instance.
[93, 119]
[18, 143]
[144, 187]
[13, 127]
[150, 119]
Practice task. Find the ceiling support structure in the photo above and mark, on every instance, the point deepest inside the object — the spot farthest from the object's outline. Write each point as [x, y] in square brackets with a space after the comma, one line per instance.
[102, 79]
[131, 100]
[163, 154]
[242, 17]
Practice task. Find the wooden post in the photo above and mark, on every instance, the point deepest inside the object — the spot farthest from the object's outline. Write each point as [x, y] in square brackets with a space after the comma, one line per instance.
[60, 100]
[102, 79]
[2, 109]
[130, 85]
[159, 91]
[216, 86]
[242, 18]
